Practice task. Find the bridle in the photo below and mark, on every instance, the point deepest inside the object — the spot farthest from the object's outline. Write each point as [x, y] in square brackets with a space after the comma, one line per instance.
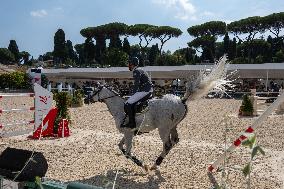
[102, 99]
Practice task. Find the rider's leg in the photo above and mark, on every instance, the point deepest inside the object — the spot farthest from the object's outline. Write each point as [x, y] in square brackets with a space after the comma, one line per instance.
[130, 106]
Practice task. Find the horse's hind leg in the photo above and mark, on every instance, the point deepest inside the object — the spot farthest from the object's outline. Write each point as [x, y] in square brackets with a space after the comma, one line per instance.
[120, 145]
[174, 136]
[167, 146]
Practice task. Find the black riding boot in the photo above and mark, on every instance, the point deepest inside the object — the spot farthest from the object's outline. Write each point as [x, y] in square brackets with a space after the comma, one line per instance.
[130, 111]
[132, 122]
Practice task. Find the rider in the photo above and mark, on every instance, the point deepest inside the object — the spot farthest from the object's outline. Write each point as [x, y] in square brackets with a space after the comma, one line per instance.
[142, 90]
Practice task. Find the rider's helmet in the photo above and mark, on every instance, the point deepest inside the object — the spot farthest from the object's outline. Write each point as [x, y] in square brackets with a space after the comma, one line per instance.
[134, 61]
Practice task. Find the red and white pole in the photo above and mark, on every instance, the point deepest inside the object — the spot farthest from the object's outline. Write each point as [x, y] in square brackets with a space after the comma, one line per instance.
[243, 137]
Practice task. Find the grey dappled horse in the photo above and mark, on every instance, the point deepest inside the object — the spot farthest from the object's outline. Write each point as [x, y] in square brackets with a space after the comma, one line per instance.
[163, 114]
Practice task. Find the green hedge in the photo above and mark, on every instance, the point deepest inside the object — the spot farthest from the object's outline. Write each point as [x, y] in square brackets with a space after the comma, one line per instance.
[15, 80]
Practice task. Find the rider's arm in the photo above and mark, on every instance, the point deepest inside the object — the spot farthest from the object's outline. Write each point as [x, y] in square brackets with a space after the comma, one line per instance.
[136, 77]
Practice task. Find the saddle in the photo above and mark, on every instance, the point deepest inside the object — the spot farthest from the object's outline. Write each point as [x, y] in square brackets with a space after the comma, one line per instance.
[141, 106]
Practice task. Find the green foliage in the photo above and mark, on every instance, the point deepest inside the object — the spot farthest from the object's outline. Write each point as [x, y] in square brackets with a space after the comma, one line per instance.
[6, 56]
[153, 54]
[226, 43]
[274, 23]
[47, 56]
[25, 55]
[143, 31]
[247, 107]
[63, 102]
[240, 60]
[115, 57]
[77, 99]
[279, 56]
[169, 60]
[71, 54]
[13, 47]
[163, 33]
[250, 25]
[44, 81]
[246, 170]
[213, 28]
[126, 46]
[80, 51]
[60, 51]
[251, 143]
[259, 59]
[89, 51]
[15, 80]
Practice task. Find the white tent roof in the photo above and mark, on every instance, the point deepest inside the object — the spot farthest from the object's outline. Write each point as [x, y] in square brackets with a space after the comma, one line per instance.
[273, 70]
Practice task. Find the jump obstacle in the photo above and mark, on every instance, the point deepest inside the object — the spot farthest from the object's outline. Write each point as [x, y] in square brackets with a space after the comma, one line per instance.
[250, 129]
[44, 115]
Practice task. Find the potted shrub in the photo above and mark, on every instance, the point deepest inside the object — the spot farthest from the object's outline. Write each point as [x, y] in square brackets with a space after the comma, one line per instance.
[63, 102]
[246, 108]
[78, 98]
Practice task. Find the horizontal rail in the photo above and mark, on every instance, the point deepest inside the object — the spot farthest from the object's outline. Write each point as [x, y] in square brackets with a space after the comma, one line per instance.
[19, 123]
[15, 133]
[17, 95]
[17, 110]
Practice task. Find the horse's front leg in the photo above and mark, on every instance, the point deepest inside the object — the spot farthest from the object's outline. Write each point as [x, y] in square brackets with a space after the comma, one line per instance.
[128, 142]
[120, 145]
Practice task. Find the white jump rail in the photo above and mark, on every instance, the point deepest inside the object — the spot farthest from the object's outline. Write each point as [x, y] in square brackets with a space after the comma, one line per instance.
[18, 123]
[17, 110]
[250, 129]
[17, 95]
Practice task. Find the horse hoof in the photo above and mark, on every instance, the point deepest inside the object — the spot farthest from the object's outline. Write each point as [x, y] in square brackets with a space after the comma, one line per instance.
[146, 168]
[154, 167]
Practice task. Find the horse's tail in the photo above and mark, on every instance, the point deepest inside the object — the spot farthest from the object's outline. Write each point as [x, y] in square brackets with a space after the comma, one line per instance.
[204, 82]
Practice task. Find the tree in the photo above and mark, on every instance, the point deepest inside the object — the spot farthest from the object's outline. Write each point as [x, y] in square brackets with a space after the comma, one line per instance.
[13, 47]
[89, 51]
[207, 43]
[6, 56]
[60, 51]
[80, 51]
[113, 32]
[70, 51]
[205, 37]
[190, 55]
[153, 54]
[163, 33]
[126, 46]
[115, 57]
[213, 28]
[232, 49]
[279, 56]
[47, 56]
[25, 56]
[166, 59]
[250, 26]
[140, 31]
[226, 43]
[274, 23]
[100, 33]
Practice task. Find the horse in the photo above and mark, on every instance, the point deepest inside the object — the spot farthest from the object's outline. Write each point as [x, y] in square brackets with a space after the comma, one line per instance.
[163, 113]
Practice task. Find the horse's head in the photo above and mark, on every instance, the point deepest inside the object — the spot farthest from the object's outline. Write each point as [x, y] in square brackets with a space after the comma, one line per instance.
[103, 92]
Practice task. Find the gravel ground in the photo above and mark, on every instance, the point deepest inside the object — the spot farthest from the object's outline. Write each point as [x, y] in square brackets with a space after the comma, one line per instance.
[90, 155]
